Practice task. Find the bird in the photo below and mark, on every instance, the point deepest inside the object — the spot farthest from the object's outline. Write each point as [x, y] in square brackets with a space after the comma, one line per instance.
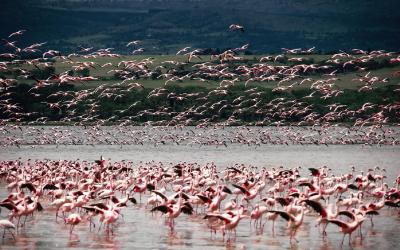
[294, 221]
[73, 220]
[347, 227]
[135, 42]
[7, 226]
[234, 27]
[17, 33]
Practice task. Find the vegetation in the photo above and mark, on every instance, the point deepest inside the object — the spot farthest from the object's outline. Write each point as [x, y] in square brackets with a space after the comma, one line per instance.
[166, 26]
[170, 90]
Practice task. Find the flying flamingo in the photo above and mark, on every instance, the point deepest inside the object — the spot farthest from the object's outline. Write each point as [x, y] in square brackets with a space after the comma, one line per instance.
[234, 27]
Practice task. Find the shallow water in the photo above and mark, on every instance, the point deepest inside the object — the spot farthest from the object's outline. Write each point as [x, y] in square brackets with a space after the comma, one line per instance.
[139, 229]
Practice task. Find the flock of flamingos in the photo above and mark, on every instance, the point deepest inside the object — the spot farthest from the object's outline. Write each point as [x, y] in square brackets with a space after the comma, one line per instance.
[284, 73]
[98, 193]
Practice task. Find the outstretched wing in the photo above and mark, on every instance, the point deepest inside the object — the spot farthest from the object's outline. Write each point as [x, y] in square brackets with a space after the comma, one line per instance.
[224, 219]
[39, 207]
[226, 190]
[339, 223]
[352, 186]
[28, 186]
[392, 204]
[160, 194]
[133, 200]
[205, 199]
[163, 208]
[283, 214]
[235, 170]
[242, 189]
[282, 201]
[314, 171]
[89, 208]
[150, 187]
[347, 214]
[99, 205]
[49, 186]
[307, 184]
[187, 209]
[7, 205]
[372, 212]
[317, 207]
[184, 196]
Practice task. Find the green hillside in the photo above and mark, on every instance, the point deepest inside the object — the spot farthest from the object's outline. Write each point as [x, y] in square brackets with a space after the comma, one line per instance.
[165, 26]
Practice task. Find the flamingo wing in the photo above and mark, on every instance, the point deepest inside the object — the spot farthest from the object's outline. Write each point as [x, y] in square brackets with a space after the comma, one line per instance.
[205, 199]
[187, 209]
[339, 223]
[226, 190]
[347, 214]
[160, 194]
[50, 187]
[99, 205]
[150, 187]
[235, 170]
[306, 184]
[89, 208]
[7, 205]
[224, 219]
[352, 186]
[184, 196]
[282, 201]
[164, 209]
[392, 204]
[133, 200]
[28, 186]
[283, 214]
[317, 207]
[314, 171]
[39, 207]
[242, 189]
[372, 212]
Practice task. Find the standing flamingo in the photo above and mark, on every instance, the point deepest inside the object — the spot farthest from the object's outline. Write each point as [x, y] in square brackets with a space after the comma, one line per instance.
[7, 226]
[73, 220]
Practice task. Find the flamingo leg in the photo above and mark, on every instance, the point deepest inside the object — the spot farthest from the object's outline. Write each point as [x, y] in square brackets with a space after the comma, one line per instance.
[273, 227]
[12, 234]
[26, 216]
[101, 223]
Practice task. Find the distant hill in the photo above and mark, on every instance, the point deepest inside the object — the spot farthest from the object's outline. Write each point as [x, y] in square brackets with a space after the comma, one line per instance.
[167, 25]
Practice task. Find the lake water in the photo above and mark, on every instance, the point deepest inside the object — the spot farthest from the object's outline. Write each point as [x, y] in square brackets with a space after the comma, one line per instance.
[139, 229]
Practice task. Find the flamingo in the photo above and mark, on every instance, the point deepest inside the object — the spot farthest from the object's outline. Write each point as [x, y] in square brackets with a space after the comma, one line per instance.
[17, 33]
[326, 213]
[234, 27]
[348, 227]
[7, 226]
[257, 213]
[175, 210]
[73, 220]
[294, 221]
[231, 220]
